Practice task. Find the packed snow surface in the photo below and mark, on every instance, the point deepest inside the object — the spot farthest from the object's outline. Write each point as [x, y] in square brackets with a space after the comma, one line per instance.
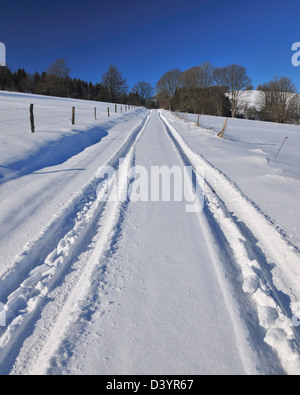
[145, 284]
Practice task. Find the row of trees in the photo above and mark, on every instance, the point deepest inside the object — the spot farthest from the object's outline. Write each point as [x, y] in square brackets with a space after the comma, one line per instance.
[204, 89]
[218, 91]
[279, 101]
[56, 81]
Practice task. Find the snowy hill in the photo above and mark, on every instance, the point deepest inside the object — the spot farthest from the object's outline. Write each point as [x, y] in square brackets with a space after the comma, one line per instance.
[249, 99]
[111, 263]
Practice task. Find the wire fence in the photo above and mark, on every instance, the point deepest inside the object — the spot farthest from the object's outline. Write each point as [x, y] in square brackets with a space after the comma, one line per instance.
[36, 114]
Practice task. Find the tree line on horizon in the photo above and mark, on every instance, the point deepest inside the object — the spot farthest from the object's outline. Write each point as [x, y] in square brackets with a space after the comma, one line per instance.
[56, 81]
[219, 91]
[203, 89]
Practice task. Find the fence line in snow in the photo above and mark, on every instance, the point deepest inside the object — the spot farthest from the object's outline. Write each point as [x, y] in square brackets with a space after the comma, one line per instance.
[57, 112]
[184, 117]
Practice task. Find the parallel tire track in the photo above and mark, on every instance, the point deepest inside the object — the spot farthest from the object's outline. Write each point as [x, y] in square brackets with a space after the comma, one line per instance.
[46, 263]
[250, 244]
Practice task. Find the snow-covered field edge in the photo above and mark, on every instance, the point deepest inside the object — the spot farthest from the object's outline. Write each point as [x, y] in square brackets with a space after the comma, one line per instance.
[27, 288]
[269, 264]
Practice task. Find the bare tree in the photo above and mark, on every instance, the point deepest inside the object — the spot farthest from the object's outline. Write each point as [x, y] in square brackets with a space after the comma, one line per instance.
[167, 85]
[191, 78]
[196, 83]
[296, 108]
[278, 100]
[206, 75]
[237, 80]
[221, 89]
[57, 75]
[115, 84]
[59, 69]
[189, 92]
[144, 90]
[198, 77]
[286, 97]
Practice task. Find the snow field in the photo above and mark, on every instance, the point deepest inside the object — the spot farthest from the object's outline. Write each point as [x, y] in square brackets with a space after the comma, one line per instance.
[82, 212]
[110, 220]
[230, 208]
[55, 140]
[98, 286]
[164, 307]
[42, 279]
[48, 168]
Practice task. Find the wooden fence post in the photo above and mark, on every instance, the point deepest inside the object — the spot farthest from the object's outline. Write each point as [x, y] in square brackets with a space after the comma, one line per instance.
[73, 115]
[221, 133]
[108, 111]
[198, 120]
[31, 118]
[116, 108]
[95, 113]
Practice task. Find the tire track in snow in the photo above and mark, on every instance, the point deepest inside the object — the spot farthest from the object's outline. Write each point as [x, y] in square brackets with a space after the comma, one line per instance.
[260, 251]
[27, 291]
[100, 295]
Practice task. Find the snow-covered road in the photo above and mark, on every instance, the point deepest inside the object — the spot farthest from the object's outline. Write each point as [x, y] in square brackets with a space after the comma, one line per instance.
[163, 308]
[143, 287]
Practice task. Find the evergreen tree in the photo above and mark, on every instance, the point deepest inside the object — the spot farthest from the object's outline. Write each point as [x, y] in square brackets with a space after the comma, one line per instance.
[6, 78]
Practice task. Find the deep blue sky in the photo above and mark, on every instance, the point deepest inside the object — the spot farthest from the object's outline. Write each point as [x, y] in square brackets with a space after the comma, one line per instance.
[147, 38]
